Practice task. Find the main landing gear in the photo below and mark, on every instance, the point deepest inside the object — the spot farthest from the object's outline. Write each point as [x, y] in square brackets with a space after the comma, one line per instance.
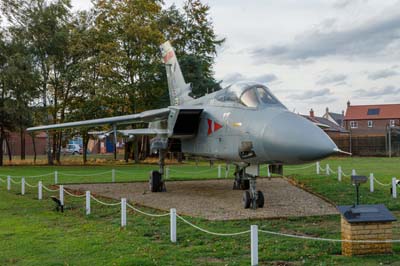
[156, 182]
[251, 197]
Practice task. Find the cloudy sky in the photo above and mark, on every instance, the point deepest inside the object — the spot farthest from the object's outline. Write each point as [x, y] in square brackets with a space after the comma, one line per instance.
[312, 53]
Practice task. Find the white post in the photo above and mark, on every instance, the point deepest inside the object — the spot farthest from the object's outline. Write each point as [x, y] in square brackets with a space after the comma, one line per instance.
[339, 173]
[173, 225]
[254, 245]
[226, 171]
[87, 202]
[327, 169]
[123, 212]
[219, 171]
[353, 172]
[317, 167]
[113, 175]
[371, 182]
[166, 172]
[394, 187]
[40, 190]
[61, 195]
[23, 186]
[8, 182]
[268, 172]
[55, 177]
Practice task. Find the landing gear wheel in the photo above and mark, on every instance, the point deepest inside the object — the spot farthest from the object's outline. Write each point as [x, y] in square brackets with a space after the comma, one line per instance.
[155, 182]
[260, 199]
[246, 199]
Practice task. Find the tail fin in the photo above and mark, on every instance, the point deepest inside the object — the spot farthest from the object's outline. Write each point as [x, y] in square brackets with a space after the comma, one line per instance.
[178, 89]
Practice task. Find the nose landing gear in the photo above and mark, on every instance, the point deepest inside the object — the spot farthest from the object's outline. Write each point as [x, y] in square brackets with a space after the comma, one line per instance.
[253, 198]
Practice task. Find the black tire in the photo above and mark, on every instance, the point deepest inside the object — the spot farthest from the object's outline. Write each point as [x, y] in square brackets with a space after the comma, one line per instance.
[260, 199]
[155, 183]
[246, 199]
[245, 184]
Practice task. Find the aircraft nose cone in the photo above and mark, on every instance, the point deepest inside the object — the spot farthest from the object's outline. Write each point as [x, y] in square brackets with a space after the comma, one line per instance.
[293, 139]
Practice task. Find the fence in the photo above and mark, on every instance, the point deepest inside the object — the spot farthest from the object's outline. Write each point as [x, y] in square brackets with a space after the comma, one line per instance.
[367, 145]
[372, 179]
[253, 231]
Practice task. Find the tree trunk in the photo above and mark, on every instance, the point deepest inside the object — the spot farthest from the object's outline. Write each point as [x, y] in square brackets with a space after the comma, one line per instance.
[1, 145]
[85, 139]
[8, 149]
[34, 147]
[126, 150]
[58, 147]
[136, 150]
[22, 140]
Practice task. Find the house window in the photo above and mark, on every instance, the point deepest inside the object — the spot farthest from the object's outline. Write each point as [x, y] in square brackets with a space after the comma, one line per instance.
[370, 123]
[392, 123]
[353, 124]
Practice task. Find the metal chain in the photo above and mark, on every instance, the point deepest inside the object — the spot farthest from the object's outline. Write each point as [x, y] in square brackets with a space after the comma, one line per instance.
[95, 174]
[15, 182]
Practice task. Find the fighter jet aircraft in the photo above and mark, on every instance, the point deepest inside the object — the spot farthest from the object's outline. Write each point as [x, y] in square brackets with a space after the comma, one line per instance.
[243, 124]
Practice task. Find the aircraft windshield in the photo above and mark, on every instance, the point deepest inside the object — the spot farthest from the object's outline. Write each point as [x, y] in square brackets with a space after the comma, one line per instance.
[249, 94]
[249, 98]
[266, 97]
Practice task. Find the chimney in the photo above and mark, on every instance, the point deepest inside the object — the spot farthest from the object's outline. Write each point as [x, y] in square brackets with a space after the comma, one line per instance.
[311, 113]
[348, 103]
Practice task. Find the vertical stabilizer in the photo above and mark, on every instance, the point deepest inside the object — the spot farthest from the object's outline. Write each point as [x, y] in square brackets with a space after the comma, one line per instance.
[178, 89]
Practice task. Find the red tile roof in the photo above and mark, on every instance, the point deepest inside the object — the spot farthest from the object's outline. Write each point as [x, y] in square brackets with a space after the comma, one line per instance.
[360, 112]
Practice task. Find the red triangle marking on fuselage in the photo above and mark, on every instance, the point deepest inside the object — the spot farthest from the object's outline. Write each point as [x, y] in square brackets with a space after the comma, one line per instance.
[217, 126]
[209, 121]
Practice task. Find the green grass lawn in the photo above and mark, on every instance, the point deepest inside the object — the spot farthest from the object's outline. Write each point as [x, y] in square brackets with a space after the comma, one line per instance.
[32, 233]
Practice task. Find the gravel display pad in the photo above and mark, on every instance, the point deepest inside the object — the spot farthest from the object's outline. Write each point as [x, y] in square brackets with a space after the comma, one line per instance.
[215, 199]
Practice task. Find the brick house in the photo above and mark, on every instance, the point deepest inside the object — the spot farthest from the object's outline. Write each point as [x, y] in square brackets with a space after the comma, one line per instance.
[371, 120]
[331, 125]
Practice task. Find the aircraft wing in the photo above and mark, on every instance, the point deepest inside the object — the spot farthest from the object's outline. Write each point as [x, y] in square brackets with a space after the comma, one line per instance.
[143, 131]
[147, 116]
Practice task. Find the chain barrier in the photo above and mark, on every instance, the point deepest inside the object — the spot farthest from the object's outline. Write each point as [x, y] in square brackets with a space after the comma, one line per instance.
[95, 174]
[29, 185]
[184, 172]
[146, 213]
[300, 168]
[73, 195]
[1, 180]
[28, 176]
[15, 182]
[322, 169]
[50, 190]
[105, 203]
[209, 232]
[327, 239]
[382, 184]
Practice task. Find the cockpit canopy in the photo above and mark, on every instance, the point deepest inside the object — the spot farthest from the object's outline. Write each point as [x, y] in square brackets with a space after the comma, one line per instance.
[249, 94]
